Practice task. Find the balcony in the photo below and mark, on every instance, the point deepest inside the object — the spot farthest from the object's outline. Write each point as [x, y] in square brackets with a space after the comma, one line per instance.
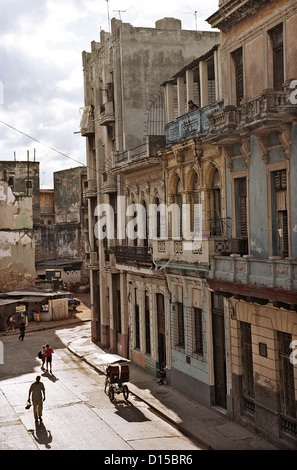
[183, 251]
[197, 252]
[107, 116]
[191, 125]
[223, 124]
[265, 112]
[143, 154]
[134, 256]
[92, 263]
[274, 279]
[90, 189]
[87, 126]
[265, 109]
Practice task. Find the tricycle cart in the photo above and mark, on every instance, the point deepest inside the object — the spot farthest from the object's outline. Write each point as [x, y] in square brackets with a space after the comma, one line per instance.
[116, 376]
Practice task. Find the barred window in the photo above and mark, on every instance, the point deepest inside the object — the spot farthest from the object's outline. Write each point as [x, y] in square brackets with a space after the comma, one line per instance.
[198, 331]
[178, 326]
[137, 328]
[147, 325]
[247, 360]
[287, 388]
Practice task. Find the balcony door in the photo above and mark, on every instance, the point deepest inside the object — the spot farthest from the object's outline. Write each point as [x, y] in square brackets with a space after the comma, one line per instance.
[276, 36]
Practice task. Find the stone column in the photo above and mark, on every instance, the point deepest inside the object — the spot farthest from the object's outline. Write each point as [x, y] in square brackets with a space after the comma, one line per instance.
[203, 73]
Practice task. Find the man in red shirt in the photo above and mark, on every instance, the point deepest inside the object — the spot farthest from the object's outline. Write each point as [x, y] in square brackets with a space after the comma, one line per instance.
[48, 354]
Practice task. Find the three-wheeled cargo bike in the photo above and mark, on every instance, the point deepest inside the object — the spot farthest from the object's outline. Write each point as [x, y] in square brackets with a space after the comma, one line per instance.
[116, 377]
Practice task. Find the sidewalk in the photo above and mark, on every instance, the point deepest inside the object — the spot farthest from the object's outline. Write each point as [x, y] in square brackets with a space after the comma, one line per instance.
[211, 429]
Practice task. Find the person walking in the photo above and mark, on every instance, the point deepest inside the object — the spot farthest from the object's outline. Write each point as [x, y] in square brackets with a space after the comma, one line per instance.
[10, 323]
[41, 356]
[49, 357]
[22, 327]
[37, 391]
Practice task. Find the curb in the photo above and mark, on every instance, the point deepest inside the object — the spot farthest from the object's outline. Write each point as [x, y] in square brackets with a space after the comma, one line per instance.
[148, 403]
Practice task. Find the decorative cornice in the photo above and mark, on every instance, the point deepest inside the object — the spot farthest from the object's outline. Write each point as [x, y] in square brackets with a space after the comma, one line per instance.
[263, 144]
[234, 11]
[245, 149]
[227, 154]
[285, 138]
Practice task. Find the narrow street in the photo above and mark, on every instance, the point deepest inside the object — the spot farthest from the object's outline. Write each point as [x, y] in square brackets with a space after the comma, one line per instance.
[77, 414]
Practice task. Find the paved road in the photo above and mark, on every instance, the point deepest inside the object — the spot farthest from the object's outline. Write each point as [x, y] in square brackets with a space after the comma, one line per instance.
[77, 413]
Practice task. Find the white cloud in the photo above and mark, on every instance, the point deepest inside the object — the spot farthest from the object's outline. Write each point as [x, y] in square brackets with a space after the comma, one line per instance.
[41, 46]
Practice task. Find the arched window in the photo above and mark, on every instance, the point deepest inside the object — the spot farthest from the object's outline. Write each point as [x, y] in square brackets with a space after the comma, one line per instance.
[145, 222]
[179, 202]
[195, 201]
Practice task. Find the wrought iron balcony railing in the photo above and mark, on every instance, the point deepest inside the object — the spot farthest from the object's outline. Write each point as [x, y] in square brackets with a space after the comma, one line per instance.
[192, 124]
[134, 255]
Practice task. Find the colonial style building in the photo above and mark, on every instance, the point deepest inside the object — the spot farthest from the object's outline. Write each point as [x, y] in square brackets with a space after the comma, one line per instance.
[124, 124]
[256, 132]
[194, 178]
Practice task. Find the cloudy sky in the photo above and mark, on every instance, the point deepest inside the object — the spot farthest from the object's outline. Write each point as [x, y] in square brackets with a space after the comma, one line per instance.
[41, 82]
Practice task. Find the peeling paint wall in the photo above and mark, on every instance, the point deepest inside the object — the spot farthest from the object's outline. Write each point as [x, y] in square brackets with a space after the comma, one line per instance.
[68, 194]
[67, 236]
[17, 244]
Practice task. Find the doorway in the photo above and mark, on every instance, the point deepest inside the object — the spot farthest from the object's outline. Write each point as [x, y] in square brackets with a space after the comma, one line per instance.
[219, 351]
[161, 329]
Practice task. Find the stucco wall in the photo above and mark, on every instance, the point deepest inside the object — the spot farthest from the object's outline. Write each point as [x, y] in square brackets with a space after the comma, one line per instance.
[17, 245]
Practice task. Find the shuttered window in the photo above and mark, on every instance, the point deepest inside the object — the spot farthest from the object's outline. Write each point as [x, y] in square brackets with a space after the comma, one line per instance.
[238, 64]
[147, 325]
[181, 324]
[241, 207]
[276, 35]
[137, 327]
[247, 360]
[198, 331]
[280, 213]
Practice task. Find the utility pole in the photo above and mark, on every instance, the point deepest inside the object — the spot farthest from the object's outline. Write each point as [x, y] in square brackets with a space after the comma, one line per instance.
[108, 19]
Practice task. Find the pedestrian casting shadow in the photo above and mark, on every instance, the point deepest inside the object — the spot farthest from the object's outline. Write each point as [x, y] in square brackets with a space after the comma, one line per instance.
[51, 377]
[129, 412]
[42, 435]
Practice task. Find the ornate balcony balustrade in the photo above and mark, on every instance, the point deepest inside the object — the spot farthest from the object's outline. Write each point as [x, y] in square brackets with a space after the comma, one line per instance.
[139, 256]
[273, 273]
[147, 149]
[191, 124]
[266, 110]
[191, 251]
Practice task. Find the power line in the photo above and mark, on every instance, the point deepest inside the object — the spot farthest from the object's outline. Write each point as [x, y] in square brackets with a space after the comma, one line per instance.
[42, 143]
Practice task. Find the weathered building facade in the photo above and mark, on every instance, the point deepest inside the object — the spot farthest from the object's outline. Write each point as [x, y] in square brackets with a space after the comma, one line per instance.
[256, 133]
[194, 178]
[17, 245]
[65, 235]
[124, 123]
[19, 182]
